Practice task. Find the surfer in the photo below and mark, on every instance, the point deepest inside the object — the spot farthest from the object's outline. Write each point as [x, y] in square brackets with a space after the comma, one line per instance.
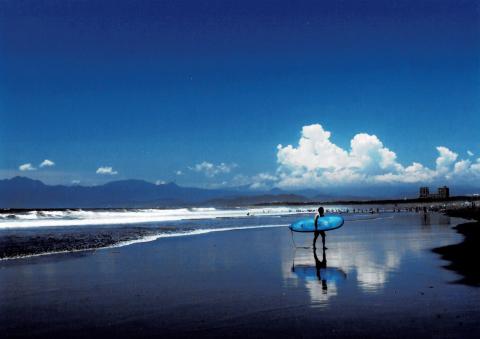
[320, 214]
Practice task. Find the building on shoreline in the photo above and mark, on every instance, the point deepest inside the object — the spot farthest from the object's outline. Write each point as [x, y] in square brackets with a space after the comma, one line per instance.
[424, 192]
[442, 193]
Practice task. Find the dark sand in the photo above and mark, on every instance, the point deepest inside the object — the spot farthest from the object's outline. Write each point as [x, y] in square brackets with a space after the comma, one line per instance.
[22, 243]
[464, 257]
[380, 280]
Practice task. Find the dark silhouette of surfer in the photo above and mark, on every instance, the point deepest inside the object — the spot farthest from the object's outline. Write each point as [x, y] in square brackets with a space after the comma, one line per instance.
[320, 214]
[319, 265]
[323, 273]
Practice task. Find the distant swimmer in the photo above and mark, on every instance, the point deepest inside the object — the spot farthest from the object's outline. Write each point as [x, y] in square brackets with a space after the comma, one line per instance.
[320, 214]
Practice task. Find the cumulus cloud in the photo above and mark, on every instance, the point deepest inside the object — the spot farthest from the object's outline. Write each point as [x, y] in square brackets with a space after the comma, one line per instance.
[47, 163]
[160, 182]
[462, 167]
[475, 168]
[26, 167]
[263, 181]
[414, 173]
[317, 161]
[179, 172]
[211, 170]
[260, 181]
[315, 151]
[106, 170]
[470, 153]
[445, 160]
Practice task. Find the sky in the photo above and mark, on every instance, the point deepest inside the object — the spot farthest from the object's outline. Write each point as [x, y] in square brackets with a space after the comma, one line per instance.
[225, 93]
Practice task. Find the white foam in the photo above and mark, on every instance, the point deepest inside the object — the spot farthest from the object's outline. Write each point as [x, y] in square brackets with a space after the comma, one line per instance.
[193, 232]
[150, 238]
[115, 217]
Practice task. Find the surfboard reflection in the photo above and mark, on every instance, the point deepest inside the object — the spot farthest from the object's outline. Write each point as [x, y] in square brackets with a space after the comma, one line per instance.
[319, 274]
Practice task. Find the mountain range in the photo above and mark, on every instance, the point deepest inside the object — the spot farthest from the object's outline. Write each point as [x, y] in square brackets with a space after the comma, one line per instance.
[23, 192]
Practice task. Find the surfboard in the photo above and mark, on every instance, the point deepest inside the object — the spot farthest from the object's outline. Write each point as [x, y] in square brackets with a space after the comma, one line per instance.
[327, 223]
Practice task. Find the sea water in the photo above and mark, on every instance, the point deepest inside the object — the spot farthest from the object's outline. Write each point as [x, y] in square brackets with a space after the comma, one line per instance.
[41, 232]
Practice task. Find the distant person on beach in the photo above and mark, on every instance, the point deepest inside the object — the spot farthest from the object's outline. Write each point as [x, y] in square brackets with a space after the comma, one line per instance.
[424, 214]
[320, 214]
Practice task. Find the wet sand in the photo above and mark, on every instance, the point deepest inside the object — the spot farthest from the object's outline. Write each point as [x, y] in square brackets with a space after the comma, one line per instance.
[23, 243]
[379, 279]
[464, 257]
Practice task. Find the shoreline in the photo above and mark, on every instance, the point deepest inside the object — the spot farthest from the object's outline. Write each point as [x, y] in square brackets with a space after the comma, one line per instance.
[462, 257]
[227, 204]
[241, 284]
[14, 247]
[375, 202]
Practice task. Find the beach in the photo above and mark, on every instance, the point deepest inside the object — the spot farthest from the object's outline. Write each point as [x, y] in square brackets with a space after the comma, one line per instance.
[239, 169]
[378, 278]
[463, 257]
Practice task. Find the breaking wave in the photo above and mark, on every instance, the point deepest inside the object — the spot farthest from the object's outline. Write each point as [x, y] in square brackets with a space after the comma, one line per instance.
[122, 217]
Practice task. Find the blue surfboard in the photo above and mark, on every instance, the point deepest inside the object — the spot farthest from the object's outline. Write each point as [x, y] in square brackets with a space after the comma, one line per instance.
[327, 223]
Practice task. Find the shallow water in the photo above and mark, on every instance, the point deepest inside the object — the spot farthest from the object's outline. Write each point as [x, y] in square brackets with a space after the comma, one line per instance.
[379, 278]
[36, 233]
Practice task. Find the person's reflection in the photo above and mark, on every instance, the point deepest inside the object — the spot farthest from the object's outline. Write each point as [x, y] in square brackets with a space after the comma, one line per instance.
[321, 282]
[319, 265]
[320, 271]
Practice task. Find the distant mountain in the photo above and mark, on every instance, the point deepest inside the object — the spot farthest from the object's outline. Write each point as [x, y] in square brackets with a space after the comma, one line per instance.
[22, 192]
[308, 193]
[257, 199]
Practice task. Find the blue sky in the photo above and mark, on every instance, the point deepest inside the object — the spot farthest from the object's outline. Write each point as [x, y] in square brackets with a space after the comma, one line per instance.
[211, 88]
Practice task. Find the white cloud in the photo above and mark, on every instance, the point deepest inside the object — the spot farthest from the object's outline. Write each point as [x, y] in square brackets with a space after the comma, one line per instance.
[26, 167]
[160, 182]
[240, 180]
[47, 163]
[179, 172]
[263, 181]
[106, 170]
[466, 170]
[445, 160]
[370, 156]
[475, 168]
[317, 161]
[75, 182]
[211, 170]
[416, 172]
[470, 153]
[315, 151]
[462, 166]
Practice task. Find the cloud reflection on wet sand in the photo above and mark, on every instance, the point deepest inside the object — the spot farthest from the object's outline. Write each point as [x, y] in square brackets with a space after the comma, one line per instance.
[370, 254]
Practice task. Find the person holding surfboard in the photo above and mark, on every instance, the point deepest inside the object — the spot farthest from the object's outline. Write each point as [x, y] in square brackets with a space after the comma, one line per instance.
[320, 214]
